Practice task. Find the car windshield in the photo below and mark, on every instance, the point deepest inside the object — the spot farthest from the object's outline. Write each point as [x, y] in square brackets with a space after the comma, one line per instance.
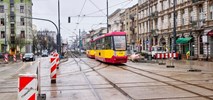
[120, 42]
[158, 49]
[28, 55]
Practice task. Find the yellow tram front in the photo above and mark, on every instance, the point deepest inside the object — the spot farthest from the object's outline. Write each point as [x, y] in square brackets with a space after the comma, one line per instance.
[111, 48]
[90, 52]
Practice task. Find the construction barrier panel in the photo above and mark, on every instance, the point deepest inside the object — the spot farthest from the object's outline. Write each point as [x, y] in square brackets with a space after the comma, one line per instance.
[160, 56]
[53, 69]
[14, 58]
[6, 58]
[166, 55]
[27, 87]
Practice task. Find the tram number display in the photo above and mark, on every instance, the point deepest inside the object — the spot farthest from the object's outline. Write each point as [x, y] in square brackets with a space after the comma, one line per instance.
[120, 53]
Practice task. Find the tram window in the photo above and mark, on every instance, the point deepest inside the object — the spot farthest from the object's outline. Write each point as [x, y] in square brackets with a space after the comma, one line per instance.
[98, 44]
[107, 43]
[120, 42]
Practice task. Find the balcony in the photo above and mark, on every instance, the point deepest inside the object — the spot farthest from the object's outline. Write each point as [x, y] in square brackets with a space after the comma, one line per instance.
[154, 14]
[197, 2]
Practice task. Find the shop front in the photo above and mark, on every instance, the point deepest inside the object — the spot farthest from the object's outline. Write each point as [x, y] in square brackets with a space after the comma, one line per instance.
[210, 38]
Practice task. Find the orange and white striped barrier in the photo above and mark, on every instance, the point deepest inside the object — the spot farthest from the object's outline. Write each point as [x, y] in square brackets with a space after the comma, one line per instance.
[6, 58]
[14, 58]
[27, 87]
[53, 69]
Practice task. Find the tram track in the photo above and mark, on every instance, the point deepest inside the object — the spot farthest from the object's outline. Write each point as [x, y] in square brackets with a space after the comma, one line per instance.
[110, 82]
[167, 83]
[95, 93]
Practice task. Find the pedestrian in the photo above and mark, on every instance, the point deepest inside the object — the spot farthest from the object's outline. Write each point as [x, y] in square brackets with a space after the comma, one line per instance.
[187, 54]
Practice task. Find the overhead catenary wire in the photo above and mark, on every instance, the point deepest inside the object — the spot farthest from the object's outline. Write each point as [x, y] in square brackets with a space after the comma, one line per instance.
[99, 10]
[120, 8]
[80, 13]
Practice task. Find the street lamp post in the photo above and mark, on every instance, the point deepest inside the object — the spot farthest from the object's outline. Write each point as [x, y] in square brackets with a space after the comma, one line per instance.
[107, 4]
[48, 21]
[5, 34]
[59, 30]
[174, 29]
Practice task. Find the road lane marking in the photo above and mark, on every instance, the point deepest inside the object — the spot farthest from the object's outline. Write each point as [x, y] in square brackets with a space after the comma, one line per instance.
[24, 65]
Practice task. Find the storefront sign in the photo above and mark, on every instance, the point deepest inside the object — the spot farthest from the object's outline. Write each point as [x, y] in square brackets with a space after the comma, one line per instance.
[210, 33]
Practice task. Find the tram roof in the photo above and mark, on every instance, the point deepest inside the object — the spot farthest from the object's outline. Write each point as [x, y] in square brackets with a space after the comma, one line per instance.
[111, 34]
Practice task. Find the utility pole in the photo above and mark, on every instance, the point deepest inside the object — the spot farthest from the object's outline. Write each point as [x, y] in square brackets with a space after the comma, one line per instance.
[59, 30]
[174, 29]
[107, 4]
[5, 34]
[79, 38]
[150, 37]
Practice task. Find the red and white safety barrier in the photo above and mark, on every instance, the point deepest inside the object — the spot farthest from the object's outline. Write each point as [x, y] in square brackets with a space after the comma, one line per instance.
[6, 58]
[57, 59]
[27, 87]
[173, 55]
[53, 69]
[166, 55]
[14, 58]
[21, 56]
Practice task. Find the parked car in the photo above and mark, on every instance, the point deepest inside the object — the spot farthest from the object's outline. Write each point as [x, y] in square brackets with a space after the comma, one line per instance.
[135, 56]
[28, 57]
[157, 49]
[44, 54]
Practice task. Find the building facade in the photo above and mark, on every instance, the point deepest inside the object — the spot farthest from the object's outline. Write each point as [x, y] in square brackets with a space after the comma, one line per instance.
[16, 32]
[115, 21]
[193, 18]
[129, 24]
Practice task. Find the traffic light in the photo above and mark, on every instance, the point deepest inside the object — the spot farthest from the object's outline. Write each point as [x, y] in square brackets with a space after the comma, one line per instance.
[69, 19]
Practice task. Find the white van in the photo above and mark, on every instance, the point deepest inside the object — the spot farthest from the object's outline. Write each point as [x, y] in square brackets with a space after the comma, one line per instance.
[157, 49]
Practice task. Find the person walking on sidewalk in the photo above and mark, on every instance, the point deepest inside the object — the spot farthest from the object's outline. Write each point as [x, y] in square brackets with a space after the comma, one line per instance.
[187, 55]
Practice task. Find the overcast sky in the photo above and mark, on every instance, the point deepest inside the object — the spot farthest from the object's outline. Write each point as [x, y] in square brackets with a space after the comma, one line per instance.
[48, 9]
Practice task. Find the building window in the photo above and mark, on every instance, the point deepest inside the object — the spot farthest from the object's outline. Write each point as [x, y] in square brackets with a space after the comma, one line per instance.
[2, 34]
[211, 11]
[201, 13]
[2, 22]
[12, 19]
[22, 34]
[191, 14]
[1, 8]
[201, 45]
[22, 21]
[21, 9]
[183, 16]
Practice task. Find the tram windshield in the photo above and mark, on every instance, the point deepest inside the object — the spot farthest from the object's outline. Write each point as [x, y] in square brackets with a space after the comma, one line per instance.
[120, 42]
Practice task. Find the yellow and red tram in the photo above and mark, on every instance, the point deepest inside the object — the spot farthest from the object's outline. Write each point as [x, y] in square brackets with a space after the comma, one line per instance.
[90, 52]
[111, 48]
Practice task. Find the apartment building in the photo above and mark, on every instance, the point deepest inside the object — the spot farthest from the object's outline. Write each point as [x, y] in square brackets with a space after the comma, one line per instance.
[15, 30]
[115, 21]
[129, 23]
[193, 19]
